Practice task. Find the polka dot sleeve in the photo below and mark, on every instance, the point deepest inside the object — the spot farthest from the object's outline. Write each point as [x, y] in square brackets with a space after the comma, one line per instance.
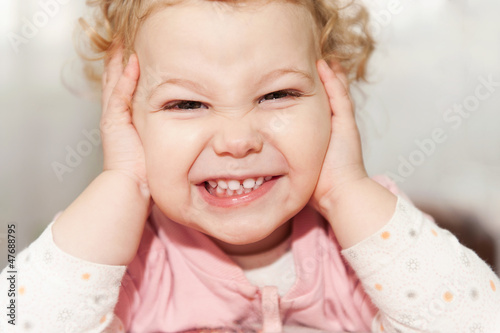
[57, 292]
[423, 280]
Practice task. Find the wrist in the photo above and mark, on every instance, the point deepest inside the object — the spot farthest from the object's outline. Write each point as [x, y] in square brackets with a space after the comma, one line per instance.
[344, 190]
[105, 223]
[358, 210]
[129, 180]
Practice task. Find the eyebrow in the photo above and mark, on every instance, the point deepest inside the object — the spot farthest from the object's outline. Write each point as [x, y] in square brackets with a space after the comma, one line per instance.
[273, 75]
[269, 77]
[191, 85]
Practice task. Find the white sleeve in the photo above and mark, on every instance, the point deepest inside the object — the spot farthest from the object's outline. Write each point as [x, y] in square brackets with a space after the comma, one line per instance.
[423, 280]
[56, 292]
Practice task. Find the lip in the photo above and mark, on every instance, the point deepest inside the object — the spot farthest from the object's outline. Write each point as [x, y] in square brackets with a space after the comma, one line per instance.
[237, 200]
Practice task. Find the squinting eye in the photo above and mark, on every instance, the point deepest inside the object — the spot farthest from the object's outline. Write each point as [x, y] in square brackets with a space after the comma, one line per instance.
[280, 94]
[184, 105]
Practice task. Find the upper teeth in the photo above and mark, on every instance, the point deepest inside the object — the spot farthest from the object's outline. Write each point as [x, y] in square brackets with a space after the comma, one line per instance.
[248, 183]
[235, 185]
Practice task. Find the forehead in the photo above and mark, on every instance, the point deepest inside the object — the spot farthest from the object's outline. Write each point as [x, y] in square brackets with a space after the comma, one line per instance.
[225, 35]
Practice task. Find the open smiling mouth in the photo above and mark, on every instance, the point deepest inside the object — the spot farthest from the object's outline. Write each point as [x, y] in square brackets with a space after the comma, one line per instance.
[225, 188]
[226, 193]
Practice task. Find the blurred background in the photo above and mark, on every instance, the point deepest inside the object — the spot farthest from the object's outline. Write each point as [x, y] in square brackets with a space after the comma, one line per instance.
[430, 117]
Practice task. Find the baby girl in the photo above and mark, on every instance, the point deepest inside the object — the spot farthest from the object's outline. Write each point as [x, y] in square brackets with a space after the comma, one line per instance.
[234, 195]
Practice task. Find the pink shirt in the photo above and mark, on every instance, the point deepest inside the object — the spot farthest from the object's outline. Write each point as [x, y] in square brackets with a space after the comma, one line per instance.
[180, 280]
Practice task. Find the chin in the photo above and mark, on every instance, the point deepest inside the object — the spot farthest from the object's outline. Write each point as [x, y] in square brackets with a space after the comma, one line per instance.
[238, 225]
[239, 231]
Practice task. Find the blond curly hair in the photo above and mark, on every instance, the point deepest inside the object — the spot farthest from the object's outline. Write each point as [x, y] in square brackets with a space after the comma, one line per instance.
[342, 30]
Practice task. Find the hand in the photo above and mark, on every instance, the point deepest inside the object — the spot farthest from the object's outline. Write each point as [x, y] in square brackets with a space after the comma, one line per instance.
[123, 150]
[105, 223]
[343, 164]
[343, 185]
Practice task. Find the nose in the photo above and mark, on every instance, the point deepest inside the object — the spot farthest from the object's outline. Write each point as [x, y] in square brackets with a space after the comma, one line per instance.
[237, 138]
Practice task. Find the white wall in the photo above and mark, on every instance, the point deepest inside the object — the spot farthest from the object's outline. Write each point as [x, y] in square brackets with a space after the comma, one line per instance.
[40, 117]
[431, 55]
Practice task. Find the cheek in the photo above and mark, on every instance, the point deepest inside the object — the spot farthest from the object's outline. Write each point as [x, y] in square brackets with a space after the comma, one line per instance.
[170, 148]
[307, 139]
[321, 122]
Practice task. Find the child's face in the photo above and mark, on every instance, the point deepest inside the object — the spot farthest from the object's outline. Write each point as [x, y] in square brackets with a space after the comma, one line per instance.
[228, 62]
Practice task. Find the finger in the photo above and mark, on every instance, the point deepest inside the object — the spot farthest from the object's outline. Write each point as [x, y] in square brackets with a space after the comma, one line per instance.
[114, 69]
[338, 95]
[119, 104]
[341, 74]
